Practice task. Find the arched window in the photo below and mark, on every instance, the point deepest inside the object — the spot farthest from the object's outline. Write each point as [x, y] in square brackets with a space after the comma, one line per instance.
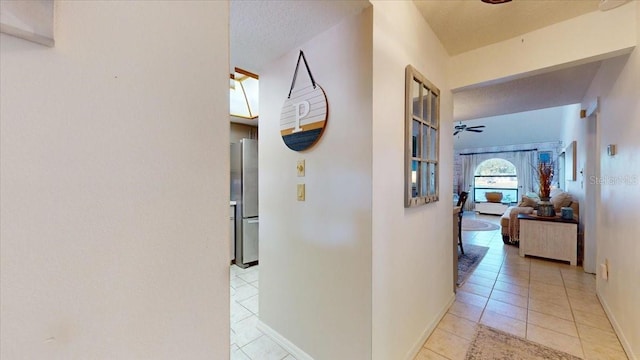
[496, 175]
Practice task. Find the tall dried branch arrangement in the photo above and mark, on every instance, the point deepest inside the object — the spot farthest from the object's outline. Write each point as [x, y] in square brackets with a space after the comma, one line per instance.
[545, 175]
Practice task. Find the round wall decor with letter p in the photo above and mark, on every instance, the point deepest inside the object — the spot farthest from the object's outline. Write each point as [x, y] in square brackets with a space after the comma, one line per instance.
[304, 117]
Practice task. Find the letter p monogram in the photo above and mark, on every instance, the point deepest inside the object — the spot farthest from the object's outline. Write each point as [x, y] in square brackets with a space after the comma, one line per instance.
[300, 113]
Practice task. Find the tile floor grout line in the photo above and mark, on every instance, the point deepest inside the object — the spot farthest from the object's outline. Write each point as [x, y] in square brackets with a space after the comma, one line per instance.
[573, 316]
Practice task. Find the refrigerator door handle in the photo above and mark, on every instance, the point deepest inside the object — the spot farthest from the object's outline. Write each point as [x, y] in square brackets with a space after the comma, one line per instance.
[253, 221]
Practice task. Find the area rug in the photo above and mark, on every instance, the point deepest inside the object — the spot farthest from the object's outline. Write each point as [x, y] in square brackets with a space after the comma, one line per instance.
[478, 225]
[468, 261]
[490, 343]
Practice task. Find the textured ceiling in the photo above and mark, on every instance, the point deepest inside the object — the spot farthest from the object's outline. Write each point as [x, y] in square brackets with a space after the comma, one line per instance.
[463, 25]
[262, 31]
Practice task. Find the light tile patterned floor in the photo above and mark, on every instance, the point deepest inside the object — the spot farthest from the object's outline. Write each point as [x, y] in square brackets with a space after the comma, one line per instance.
[543, 301]
[247, 342]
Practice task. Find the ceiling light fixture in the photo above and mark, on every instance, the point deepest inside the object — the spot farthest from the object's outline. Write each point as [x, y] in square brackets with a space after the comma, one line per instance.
[495, 2]
[243, 94]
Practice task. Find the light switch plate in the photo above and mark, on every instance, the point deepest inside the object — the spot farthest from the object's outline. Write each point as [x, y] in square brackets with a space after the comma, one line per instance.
[300, 168]
[300, 192]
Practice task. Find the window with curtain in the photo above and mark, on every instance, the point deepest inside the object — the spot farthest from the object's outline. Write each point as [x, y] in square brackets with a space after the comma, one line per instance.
[496, 175]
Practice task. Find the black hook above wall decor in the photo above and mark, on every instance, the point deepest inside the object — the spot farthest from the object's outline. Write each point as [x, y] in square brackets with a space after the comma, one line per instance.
[295, 74]
[304, 113]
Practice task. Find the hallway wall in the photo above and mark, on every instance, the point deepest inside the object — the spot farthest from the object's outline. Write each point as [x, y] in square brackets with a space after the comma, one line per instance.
[576, 129]
[571, 42]
[412, 247]
[315, 256]
[617, 84]
[114, 184]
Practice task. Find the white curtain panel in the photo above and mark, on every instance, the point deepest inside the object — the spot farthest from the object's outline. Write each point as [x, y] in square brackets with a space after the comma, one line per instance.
[525, 162]
[469, 163]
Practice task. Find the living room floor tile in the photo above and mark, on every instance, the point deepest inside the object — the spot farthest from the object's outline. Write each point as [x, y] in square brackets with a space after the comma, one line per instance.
[599, 352]
[555, 340]
[587, 305]
[450, 345]
[545, 307]
[509, 298]
[479, 280]
[551, 303]
[486, 274]
[476, 289]
[458, 325]
[560, 325]
[428, 354]
[504, 323]
[466, 311]
[589, 319]
[598, 337]
[511, 288]
[507, 310]
[508, 267]
[471, 299]
[513, 280]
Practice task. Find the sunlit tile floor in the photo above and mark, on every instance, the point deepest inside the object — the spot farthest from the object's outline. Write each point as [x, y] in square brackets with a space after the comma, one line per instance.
[546, 302]
[247, 342]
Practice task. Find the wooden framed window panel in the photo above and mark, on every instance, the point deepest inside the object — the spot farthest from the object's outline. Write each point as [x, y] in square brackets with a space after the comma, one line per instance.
[422, 139]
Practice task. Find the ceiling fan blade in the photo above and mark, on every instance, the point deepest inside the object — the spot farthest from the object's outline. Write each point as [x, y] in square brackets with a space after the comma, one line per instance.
[456, 132]
[476, 127]
[475, 130]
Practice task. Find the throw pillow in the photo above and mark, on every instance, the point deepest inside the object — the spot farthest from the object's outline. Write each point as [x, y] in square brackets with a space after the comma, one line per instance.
[561, 200]
[532, 195]
[555, 192]
[528, 202]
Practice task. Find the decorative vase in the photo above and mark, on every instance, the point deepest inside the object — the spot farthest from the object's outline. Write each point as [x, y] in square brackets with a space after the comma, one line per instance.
[545, 207]
[567, 213]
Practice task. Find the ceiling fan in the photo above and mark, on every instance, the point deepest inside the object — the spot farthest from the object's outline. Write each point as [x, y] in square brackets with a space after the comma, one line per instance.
[460, 128]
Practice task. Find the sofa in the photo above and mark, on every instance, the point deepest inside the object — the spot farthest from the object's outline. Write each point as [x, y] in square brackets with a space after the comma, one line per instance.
[510, 228]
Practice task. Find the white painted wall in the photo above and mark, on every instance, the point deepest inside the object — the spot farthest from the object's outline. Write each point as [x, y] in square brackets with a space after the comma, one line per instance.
[583, 132]
[412, 248]
[114, 184]
[560, 45]
[618, 86]
[315, 256]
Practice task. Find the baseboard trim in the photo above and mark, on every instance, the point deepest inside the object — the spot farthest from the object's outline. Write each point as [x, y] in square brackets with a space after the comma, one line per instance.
[415, 349]
[616, 327]
[298, 353]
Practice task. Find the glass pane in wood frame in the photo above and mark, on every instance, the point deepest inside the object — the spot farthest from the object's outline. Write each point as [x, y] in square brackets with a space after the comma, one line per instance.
[422, 135]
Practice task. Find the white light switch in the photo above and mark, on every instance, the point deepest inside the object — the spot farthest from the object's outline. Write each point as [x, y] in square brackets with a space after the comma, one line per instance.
[300, 192]
[300, 168]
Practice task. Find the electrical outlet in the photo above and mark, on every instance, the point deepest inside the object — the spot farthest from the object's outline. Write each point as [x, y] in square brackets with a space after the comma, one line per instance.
[300, 168]
[301, 192]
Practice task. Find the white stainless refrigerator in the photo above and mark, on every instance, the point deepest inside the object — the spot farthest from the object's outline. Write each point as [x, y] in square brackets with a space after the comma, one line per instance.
[244, 190]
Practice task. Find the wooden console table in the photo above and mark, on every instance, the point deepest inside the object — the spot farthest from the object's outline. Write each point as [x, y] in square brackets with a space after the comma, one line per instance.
[549, 237]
